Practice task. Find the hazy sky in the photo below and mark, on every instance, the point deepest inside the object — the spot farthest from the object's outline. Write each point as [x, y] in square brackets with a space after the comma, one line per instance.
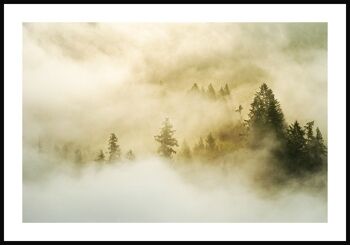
[86, 78]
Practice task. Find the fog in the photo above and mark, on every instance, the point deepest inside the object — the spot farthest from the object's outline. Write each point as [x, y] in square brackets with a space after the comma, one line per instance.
[151, 191]
[83, 81]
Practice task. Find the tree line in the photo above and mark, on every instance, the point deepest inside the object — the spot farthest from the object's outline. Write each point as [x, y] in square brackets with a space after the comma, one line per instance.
[211, 93]
[298, 149]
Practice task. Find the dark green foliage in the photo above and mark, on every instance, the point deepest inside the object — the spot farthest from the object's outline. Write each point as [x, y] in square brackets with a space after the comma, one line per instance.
[296, 148]
[114, 148]
[320, 151]
[321, 148]
[306, 153]
[317, 151]
[166, 140]
[266, 117]
[309, 132]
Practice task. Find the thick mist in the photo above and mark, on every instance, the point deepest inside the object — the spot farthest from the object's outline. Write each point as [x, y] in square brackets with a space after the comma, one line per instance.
[84, 81]
[150, 190]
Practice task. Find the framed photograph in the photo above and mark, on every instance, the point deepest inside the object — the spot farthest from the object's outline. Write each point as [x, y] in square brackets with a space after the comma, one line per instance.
[131, 122]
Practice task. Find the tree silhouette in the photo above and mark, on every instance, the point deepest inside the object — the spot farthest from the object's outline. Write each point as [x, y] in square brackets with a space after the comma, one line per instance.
[166, 140]
[309, 132]
[211, 92]
[222, 92]
[296, 149]
[322, 149]
[239, 110]
[130, 155]
[210, 143]
[195, 88]
[100, 157]
[114, 148]
[266, 116]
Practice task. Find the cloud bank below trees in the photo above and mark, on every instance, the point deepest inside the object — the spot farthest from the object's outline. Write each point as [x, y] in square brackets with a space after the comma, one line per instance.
[150, 190]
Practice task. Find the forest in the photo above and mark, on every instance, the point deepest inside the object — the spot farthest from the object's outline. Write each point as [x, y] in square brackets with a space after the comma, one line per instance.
[297, 152]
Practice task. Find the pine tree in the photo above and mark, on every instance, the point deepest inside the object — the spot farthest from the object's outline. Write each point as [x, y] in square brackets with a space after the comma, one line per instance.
[222, 92]
[316, 150]
[130, 155]
[195, 88]
[100, 157]
[309, 132]
[210, 143]
[266, 116]
[296, 149]
[239, 110]
[166, 140]
[211, 92]
[114, 148]
[322, 149]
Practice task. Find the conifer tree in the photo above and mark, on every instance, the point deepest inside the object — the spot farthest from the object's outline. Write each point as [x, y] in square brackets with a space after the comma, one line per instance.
[222, 92]
[266, 116]
[100, 157]
[211, 92]
[166, 140]
[316, 150]
[210, 143]
[130, 155]
[195, 88]
[322, 149]
[296, 149]
[309, 132]
[114, 148]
